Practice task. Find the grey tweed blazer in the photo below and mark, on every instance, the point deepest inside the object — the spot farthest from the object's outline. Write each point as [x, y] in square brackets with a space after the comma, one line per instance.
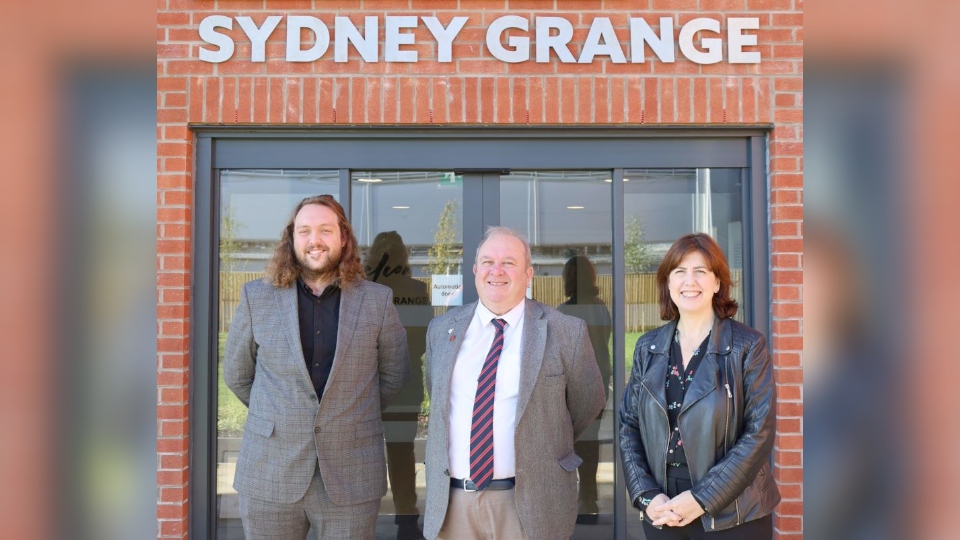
[287, 431]
[561, 392]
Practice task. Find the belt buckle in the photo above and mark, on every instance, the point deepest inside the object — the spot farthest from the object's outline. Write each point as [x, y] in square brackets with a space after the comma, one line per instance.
[469, 486]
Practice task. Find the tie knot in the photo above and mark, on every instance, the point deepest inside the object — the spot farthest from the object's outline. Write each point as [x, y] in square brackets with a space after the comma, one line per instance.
[499, 323]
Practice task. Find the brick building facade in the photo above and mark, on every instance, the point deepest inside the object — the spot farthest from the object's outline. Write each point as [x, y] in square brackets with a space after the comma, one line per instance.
[473, 90]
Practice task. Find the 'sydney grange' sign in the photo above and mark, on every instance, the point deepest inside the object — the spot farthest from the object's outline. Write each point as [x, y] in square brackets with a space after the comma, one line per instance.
[510, 38]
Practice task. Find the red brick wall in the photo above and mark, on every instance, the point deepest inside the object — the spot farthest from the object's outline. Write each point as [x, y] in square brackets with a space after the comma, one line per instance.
[473, 89]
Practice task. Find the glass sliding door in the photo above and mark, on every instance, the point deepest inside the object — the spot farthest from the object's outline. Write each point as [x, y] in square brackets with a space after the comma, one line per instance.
[254, 207]
[409, 227]
[567, 217]
[599, 210]
[660, 206]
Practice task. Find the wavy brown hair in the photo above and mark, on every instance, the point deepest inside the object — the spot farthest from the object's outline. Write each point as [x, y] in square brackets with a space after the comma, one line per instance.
[723, 304]
[284, 268]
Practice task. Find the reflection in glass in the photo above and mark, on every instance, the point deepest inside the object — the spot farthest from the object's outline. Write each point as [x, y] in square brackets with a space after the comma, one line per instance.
[580, 286]
[387, 262]
[567, 217]
[561, 213]
[409, 228]
[254, 206]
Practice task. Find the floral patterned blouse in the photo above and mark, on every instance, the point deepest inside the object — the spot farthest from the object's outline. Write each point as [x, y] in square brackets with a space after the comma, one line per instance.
[678, 380]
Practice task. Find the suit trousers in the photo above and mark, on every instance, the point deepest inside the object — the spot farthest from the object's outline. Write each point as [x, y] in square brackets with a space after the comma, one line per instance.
[481, 515]
[759, 529]
[277, 521]
[402, 471]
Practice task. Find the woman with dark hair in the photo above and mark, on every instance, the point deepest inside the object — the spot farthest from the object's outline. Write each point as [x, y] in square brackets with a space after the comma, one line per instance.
[698, 418]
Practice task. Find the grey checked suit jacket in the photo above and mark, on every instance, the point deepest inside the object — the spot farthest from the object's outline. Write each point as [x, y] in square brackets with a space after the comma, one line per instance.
[287, 431]
[561, 392]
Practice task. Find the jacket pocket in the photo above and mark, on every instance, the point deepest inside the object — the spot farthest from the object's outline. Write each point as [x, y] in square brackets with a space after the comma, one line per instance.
[369, 428]
[570, 462]
[260, 426]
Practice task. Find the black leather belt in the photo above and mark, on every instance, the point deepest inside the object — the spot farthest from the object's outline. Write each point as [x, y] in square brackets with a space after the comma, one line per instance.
[494, 485]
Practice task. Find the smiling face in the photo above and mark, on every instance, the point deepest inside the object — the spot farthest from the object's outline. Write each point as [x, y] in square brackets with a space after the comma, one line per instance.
[502, 273]
[692, 285]
[316, 241]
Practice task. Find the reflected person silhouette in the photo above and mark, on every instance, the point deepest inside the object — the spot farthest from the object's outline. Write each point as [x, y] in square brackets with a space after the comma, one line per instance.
[580, 285]
[387, 263]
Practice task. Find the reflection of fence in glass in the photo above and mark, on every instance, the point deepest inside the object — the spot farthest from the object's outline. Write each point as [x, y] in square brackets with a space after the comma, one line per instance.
[640, 293]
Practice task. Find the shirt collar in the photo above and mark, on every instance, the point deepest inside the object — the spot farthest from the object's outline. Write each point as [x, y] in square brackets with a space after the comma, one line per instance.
[330, 289]
[513, 317]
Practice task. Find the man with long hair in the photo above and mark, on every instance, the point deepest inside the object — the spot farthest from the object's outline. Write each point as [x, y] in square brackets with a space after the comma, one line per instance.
[315, 351]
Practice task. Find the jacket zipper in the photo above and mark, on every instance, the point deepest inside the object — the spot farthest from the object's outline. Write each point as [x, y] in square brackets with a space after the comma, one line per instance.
[668, 438]
[666, 446]
[726, 430]
[726, 424]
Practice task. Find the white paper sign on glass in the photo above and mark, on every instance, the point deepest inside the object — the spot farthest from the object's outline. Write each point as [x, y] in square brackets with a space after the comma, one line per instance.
[446, 290]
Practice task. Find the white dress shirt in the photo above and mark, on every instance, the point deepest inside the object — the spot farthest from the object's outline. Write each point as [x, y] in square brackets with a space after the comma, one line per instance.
[463, 390]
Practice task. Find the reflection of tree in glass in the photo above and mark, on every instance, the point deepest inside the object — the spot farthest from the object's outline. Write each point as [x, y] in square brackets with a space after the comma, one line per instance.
[231, 414]
[443, 256]
[636, 254]
[230, 245]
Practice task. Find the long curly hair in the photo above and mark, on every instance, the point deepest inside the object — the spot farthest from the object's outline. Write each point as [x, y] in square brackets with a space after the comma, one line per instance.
[284, 268]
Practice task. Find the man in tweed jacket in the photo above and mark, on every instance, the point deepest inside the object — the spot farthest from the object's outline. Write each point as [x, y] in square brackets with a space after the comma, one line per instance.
[315, 352]
[548, 389]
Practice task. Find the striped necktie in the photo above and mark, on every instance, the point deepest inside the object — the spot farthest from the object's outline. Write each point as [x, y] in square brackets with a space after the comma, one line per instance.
[481, 432]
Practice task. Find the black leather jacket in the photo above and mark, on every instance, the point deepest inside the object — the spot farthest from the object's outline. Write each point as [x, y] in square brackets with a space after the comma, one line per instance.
[727, 422]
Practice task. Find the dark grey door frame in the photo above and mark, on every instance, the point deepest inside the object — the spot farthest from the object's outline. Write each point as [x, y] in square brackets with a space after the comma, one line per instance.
[481, 154]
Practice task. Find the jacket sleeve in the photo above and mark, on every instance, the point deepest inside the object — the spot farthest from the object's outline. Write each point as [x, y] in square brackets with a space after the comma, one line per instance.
[393, 357]
[240, 353]
[585, 394]
[636, 470]
[740, 465]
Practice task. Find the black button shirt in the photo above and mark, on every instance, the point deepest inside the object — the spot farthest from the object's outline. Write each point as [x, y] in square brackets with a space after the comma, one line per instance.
[319, 320]
[678, 380]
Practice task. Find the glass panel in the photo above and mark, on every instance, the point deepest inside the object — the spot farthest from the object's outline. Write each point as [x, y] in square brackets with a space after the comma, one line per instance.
[660, 206]
[409, 225]
[567, 217]
[254, 207]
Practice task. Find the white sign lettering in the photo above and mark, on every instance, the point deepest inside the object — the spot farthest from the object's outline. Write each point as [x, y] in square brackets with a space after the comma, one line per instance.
[508, 38]
[295, 26]
[661, 45]
[602, 29]
[444, 36]
[258, 36]
[209, 34]
[714, 48]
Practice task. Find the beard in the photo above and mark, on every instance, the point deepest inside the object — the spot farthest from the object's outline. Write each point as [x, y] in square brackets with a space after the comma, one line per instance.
[325, 270]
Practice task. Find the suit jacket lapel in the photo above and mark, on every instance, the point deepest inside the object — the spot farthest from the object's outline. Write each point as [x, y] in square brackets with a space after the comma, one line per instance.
[532, 346]
[350, 300]
[290, 319]
[446, 354]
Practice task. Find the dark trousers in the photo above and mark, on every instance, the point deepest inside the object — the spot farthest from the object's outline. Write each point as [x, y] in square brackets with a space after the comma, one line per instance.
[401, 467]
[678, 482]
[589, 452]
